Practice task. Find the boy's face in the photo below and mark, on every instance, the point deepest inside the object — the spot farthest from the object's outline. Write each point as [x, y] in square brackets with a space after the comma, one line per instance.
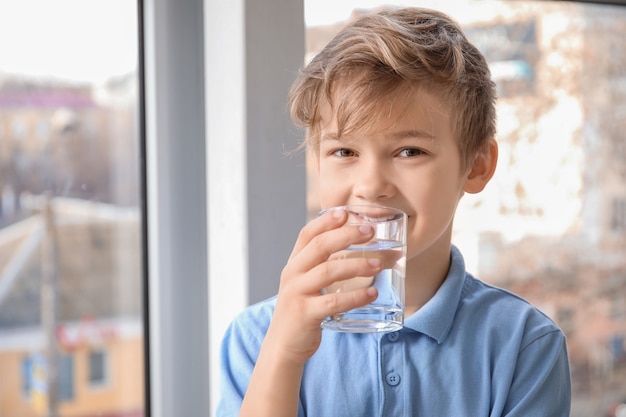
[407, 159]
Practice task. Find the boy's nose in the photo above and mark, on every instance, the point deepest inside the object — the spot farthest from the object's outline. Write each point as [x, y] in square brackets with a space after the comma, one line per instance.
[373, 185]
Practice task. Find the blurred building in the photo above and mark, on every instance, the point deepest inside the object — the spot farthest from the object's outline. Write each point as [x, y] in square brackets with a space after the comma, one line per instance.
[75, 146]
[69, 140]
[97, 320]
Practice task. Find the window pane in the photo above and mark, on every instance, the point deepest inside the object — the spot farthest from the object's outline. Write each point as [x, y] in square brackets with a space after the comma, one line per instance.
[97, 367]
[65, 384]
[551, 224]
[70, 221]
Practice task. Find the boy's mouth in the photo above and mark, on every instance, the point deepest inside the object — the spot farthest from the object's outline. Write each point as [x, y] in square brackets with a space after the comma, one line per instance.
[371, 217]
[377, 219]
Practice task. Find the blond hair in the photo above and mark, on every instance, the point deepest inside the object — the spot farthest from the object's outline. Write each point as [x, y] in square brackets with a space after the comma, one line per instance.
[397, 52]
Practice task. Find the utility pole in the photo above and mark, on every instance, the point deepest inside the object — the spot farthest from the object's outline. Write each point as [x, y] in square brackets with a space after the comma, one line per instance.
[49, 301]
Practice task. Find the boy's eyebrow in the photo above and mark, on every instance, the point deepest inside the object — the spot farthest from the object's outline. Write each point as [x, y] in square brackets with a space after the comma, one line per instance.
[413, 133]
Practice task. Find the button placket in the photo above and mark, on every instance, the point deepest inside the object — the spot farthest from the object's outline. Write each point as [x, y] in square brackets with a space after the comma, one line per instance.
[392, 365]
[392, 377]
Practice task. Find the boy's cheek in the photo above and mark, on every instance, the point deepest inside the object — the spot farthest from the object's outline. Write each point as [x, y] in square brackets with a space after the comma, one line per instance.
[331, 195]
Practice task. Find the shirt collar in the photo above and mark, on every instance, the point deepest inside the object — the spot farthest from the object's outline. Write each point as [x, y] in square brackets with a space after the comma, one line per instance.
[435, 318]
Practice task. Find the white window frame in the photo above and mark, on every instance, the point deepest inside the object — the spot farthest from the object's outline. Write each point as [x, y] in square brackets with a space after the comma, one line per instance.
[216, 77]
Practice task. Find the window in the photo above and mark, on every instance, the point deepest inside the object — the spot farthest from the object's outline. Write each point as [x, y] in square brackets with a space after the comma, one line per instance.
[35, 378]
[65, 384]
[27, 376]
[71, 245]
[98, 372]
[549, 226]
[171, 85]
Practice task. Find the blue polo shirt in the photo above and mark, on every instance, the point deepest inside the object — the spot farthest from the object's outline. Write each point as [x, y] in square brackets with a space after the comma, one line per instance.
[473, 350]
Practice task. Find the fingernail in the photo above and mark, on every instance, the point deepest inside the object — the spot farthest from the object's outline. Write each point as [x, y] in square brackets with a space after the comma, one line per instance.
[365, 228]
[338, 213]
[375, 262]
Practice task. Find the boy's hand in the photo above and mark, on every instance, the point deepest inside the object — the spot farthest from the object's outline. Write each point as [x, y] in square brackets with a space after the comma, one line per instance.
[295, 330]
[295, 333]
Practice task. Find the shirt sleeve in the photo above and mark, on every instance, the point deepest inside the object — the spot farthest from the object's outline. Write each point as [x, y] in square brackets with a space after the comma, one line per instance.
[541, 385]
[238, 354]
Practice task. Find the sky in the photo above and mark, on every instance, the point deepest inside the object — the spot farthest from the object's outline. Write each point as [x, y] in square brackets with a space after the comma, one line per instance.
[92, 40]
[69, 39]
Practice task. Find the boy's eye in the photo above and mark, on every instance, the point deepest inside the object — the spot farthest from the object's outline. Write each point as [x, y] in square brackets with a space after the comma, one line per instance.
[344, 153]
[410, 152]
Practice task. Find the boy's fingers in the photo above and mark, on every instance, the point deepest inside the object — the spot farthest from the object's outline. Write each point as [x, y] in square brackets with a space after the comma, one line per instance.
[323, 245]
[331, 304]
[326, 222]
[332, 271]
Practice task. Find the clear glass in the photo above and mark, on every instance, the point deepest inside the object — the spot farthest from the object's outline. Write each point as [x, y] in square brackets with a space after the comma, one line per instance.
[386, 313]
[551, 226]
[71, 326]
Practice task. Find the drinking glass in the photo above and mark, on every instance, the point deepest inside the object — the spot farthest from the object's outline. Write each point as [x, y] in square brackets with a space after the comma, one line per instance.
[386, 313]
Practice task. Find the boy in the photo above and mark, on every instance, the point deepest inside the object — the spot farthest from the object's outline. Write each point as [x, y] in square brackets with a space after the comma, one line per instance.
[400, 111]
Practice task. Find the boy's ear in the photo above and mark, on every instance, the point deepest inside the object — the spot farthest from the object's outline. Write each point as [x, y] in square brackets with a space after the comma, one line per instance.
[482, 169]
